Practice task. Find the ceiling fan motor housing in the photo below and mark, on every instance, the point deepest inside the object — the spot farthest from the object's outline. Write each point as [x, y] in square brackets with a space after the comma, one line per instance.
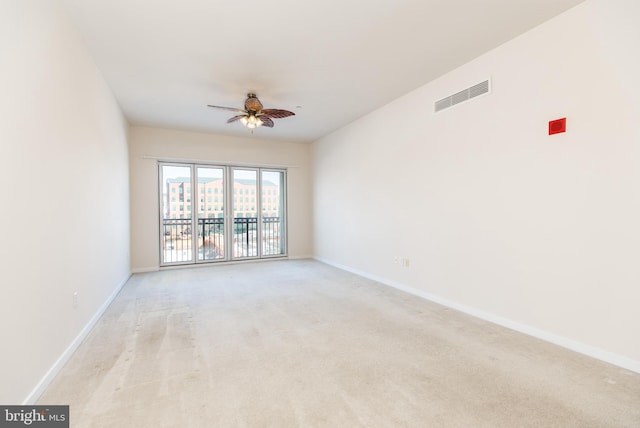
[252, 103]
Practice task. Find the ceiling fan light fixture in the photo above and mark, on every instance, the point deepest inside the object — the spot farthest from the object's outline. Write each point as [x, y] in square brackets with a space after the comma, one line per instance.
[251, 121]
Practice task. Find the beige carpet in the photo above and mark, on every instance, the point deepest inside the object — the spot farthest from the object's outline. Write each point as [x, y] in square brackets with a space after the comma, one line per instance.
[301, 344]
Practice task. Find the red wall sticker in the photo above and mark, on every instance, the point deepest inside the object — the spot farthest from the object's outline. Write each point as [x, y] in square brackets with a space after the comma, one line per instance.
[557, 126]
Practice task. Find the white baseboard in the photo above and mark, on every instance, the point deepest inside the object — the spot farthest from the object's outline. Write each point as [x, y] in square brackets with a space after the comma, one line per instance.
[145, 269]
[222, 263]
[300, 257]
[33, 397]
[591, 351]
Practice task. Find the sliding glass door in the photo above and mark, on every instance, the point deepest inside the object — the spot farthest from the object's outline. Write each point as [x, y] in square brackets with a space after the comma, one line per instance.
[245, 214]
[220, 213]
[175, 214]
[272, 185]
[210, 240]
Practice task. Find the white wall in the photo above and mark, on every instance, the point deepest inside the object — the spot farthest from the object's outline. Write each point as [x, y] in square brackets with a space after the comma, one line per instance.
[149, 144]
[65, 201]
[538, 232]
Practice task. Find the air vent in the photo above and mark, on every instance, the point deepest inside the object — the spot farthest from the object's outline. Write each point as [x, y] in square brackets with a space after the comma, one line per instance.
[462, 96]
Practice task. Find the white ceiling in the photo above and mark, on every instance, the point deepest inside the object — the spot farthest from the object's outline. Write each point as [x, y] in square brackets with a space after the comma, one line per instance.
[166, 60]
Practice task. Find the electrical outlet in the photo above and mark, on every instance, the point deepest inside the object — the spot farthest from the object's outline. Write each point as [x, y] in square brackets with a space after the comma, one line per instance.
[395, 260]
[405, 262]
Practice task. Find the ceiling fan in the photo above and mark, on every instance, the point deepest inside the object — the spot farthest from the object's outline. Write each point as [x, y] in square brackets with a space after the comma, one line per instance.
[254, 115]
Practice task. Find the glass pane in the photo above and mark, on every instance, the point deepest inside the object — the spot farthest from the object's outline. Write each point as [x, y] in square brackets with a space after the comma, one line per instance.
[272, 213]
[245, 214]
[210, 210]
[176, 214]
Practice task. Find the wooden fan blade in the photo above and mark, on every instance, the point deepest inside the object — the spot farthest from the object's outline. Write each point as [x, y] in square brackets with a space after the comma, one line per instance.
[237, 110]
[275, 113]
[252, 103]
[238, 117]
[266, 121]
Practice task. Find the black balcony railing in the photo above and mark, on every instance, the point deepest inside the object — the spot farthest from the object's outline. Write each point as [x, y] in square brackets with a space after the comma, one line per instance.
[177, 238]
[271, 242]
[245, 237]
[210, 238]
